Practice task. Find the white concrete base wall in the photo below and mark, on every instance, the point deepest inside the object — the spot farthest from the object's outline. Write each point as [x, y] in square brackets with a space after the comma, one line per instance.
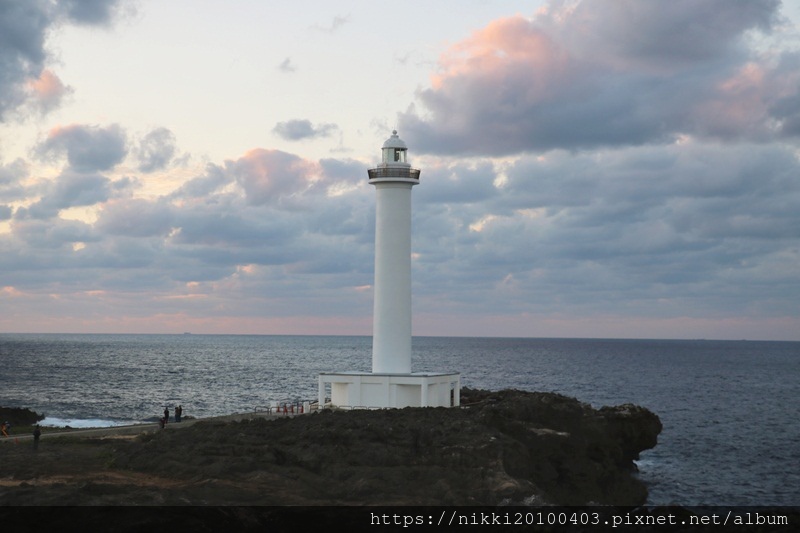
[367, 390]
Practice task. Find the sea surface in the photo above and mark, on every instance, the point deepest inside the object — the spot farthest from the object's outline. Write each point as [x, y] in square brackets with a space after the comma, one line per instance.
[730, 409]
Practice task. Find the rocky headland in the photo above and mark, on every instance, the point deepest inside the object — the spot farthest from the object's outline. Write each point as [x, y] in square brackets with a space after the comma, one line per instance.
[503, 448]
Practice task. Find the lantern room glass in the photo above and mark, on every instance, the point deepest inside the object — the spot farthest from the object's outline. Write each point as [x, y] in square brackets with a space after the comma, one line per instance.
[394, 155]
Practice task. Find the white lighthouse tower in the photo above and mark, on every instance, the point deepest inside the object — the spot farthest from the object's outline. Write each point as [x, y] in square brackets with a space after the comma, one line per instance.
[391, 382]
[391, 329]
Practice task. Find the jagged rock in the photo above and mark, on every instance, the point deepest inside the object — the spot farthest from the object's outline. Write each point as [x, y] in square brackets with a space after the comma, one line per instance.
[18, 416]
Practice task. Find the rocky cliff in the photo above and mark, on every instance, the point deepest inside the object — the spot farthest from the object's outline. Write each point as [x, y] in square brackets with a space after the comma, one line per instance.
[506, 447]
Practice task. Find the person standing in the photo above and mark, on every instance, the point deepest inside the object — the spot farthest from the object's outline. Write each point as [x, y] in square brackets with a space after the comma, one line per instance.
[37, 432]
[178, 413]
[166, 415]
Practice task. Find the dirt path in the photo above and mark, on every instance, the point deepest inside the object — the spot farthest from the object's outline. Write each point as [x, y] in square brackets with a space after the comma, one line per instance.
[138, 429]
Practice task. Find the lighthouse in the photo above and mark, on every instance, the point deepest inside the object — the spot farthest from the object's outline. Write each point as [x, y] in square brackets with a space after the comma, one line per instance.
[391, 382]
[391, 318]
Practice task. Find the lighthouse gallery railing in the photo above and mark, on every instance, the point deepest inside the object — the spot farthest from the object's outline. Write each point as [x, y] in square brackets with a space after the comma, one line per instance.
[393, 172]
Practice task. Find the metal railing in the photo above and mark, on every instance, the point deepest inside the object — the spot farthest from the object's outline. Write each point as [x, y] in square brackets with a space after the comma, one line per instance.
[286, 407]
[393, 172]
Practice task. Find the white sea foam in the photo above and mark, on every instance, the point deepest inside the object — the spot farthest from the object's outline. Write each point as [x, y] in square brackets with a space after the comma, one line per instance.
[77, 423]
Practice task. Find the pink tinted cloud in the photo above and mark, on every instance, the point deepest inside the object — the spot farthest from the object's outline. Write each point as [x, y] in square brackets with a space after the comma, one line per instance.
[605, 73]
[48, 90]
[738, 103]
[758, 100]
[502, 46]
[267, 175]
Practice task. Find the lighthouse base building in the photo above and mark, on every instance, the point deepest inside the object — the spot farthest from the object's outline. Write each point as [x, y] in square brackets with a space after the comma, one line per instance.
[369, 390]
[391, 382]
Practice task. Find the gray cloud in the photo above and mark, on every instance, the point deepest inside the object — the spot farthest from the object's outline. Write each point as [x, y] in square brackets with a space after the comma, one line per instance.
[222, 232]
[88, 148]
[608, 74]
[135, 218]
[11, 181]
[298, 129]
[662, 225]
[652, 183]
[459, 184]
[23, 29]
[337, 22]
[70, 189]
[669, 36]
[88, 12]
[691, 229]
[51, 238]
[262, 209]
[287, 66]
[344, 170]
[156, 150]
[214, 178]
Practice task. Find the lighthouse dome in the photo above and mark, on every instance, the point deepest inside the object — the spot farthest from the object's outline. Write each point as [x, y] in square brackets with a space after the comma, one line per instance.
[395, 142]
[394, 151]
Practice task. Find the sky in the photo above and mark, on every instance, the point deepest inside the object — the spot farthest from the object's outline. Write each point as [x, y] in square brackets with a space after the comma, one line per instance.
[603, 168]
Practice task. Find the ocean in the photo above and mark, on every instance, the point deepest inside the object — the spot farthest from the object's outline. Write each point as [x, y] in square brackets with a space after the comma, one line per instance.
[730, 409]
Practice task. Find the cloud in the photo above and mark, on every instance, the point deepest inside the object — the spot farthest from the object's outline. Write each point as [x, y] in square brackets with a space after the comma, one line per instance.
[156, 150]
[45, 241]
[260, 234]
[88, 148]
[48, 91]
[297, 129]
[268, 176]
[135, 217]
[459, 183]
[70, 189]
[11, 181]
[12, 187]
[287, 66]
[662, 231]
[337, 22]
[24, 27]
[653, 36]
[637, 227]
[617, 161]
[229, 237]
[88, 12]
[214, 179]
[606, 73]
[341, 171]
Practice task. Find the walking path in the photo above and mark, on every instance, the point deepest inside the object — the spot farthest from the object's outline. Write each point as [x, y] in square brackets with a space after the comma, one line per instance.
[137, 429]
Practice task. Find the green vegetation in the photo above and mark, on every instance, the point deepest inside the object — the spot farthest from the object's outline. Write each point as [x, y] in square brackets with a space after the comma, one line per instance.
[22, 420]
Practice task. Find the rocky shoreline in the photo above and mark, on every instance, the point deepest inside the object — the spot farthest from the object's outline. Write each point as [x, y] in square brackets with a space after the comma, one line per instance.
[502, 448]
